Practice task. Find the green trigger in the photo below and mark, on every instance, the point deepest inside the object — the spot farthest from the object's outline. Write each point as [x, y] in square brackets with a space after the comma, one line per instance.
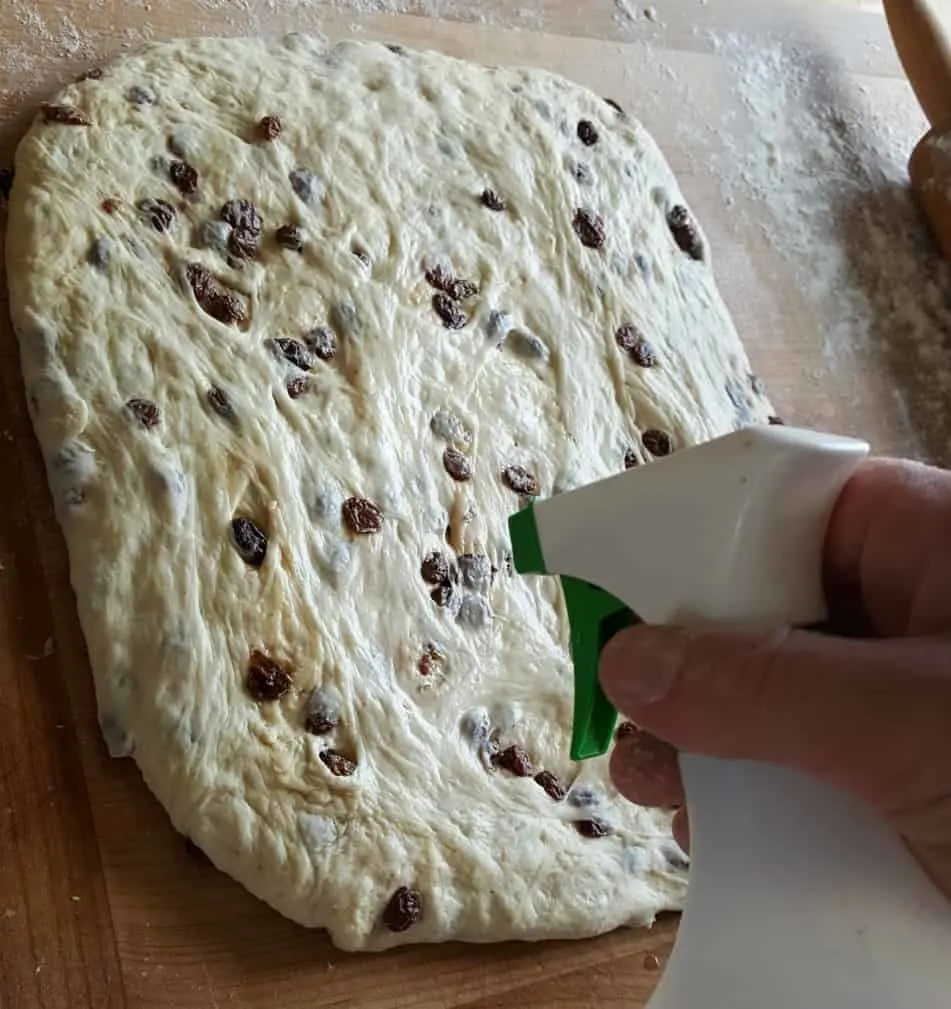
[594, 617]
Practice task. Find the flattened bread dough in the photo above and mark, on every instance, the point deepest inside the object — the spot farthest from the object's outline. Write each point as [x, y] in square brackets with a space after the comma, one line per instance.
[498, 290]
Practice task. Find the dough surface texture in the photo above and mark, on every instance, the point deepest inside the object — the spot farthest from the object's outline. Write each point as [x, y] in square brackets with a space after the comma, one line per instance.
[301, 326]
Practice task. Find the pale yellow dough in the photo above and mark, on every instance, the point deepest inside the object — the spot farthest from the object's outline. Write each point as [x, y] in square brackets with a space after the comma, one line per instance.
[400, 146]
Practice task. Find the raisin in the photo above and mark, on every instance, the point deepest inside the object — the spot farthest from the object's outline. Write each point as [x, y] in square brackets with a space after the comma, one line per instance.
[110, 205]
[643, 354]
[305, 184]
[267, 680]
[658, 443]
[181, 144]
[492, 200]
[297, 386]
[345, 319]
[457, 465]
[200, 279]
[145, 412]
[627, 336]
[322, 343]
[626, 729]
[216, 302]
[93, 74]
[443, 595]
[587, 134]
[362, 516]
[65, 115]
[225, 307]
[139, 95]
[518, 479]
[402, 910]
[157, 212]
[583, 797]
[676, 859]
[295, 352]
[738, 397]
[447, 310]
[244, 243]
[614, 105]
[475, 728]
[776, 422]
[6, 182]
[685, 232]
[435, 568]
[242, 214]
[394, 48]
[184, 177]
[338, 764]
[430, 661]
[449, 427]
[269, 128]
[551, 785]
[99, 252]
[290, 236]
[630, 459]
[589, 227]
[461, 290]
[439, 277]
[250, 539]
[592, 828]
[581, 172]
[213, 235]
[630, 339]
[323, 713]
[515, 759]
[220, 403]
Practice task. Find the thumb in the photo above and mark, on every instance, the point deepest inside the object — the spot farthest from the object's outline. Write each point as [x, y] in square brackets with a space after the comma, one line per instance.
[868, 715]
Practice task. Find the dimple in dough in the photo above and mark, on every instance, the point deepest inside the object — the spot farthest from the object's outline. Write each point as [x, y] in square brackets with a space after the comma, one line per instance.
[381, 163]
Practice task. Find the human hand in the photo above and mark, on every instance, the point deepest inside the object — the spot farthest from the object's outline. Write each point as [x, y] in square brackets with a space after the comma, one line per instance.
[866, 707]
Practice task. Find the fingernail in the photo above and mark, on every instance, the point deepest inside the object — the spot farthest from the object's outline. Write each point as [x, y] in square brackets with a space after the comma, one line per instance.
[640, 666]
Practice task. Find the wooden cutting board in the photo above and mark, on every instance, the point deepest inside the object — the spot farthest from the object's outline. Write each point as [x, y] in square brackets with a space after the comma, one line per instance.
[101, 904]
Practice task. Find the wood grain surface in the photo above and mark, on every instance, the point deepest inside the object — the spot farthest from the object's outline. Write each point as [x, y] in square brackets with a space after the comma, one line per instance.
[101, 904]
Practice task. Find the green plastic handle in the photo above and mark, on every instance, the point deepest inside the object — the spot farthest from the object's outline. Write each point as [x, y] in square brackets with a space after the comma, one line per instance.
[594, 617]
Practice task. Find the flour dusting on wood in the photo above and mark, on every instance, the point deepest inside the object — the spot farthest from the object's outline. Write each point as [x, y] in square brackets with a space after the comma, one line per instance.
[822, 169]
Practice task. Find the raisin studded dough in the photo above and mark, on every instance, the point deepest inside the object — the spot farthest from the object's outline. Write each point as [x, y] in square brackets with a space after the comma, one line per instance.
[290, 376]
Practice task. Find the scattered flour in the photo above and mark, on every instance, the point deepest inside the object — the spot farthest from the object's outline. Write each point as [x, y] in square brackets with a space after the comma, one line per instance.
[827, 164]
[625, 10]
[52, 33]
[628, 14]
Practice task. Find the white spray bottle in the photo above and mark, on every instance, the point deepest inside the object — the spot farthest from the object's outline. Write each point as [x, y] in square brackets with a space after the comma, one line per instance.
[800, 897]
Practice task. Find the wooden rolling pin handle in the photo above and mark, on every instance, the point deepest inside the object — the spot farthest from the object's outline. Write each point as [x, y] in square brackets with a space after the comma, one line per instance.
[930, 172]
[921, 35]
